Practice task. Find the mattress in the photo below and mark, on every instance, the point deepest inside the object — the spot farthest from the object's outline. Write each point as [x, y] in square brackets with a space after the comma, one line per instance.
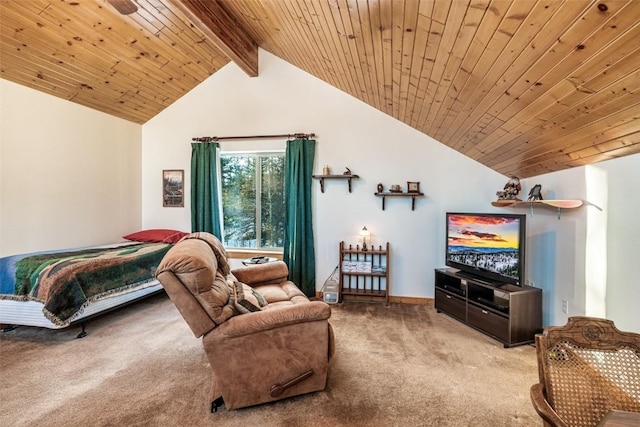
[103, 277]
[29, 313]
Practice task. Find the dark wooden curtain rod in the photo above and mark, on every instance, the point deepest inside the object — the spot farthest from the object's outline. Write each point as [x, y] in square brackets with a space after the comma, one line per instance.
[285, 135]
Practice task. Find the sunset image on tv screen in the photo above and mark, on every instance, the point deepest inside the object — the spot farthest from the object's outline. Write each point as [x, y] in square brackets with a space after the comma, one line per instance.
[486, 242]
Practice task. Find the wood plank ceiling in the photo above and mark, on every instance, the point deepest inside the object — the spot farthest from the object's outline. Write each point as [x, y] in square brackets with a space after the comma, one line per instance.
[523, 86]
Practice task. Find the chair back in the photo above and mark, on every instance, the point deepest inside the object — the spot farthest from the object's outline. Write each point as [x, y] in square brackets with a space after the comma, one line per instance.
[588, 368]
[190, 275]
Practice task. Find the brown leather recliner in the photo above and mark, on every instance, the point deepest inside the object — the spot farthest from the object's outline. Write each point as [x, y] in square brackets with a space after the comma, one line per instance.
[265, 341]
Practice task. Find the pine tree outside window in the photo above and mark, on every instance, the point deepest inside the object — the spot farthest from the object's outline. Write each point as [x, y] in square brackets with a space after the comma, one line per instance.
[253, 205]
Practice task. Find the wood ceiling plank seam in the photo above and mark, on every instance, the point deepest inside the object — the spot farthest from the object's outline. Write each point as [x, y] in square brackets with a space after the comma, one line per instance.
[557, 108]
[386, 34]
[423, 27]
[378, 31]
[278, 34]
[540, 152]
[297, 36]
[436, 31]
[559, 58]
[530, 127]
[534, 150]
[565, 161]
[353, 57]
[164, 37]
[71, 77]
[208, 64]
[33, 8]
[101, 52]
[100, 19]
[31, 28]
[369, 11]
[292, 38]
[397, 36]
[496, 58]
[34, 72]
[362, 32]
[610, 55]
[506, 104]
[204, 50]
[374, 67]
[39, 85]
[67, 58]
[612, 148]
[409, 25]
[177, 21]
[247, 13]
[567, 47]
[33, 49]
[433, 57]
[576, 124]
[331, 76]
[628, 85]
[511, 18]
[608, 147]
[488, 26]
[515, 61]
[467, 32]
[126, 113]
[177, 24]
[333, 29]
[455, 19]
[144, 20]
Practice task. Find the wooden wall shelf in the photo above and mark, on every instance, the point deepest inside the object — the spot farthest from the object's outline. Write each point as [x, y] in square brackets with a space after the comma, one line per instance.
[554, 204]
[323, 177]
[413, 196]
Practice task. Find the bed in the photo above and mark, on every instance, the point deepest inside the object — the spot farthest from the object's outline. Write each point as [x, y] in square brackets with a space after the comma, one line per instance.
[56, 289]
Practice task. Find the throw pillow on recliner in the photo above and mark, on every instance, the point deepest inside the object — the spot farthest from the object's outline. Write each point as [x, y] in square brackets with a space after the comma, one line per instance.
[247, 299]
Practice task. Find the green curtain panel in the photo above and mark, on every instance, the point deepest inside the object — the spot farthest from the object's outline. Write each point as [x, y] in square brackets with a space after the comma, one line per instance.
[205, 200]
[299, 254]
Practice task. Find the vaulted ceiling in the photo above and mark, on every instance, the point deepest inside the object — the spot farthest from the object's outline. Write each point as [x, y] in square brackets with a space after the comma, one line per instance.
[523, 86]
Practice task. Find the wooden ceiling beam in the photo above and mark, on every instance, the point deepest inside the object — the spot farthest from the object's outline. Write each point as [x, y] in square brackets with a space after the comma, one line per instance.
[223, 30]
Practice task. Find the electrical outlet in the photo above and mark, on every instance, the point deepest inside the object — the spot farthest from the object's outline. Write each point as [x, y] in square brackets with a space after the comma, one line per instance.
[565, 306]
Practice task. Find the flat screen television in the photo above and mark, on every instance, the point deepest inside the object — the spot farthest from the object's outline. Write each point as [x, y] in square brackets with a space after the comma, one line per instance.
[487, 246]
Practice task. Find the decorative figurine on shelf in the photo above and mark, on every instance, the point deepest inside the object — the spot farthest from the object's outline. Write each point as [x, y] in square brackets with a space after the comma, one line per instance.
[380, 188]
[535, 193]
[511, 189]
[347, 172]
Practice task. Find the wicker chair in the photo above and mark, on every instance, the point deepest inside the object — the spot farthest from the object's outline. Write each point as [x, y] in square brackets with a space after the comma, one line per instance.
[586, 368]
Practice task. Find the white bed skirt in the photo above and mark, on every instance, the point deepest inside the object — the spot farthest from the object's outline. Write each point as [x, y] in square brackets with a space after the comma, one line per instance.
[29, 313]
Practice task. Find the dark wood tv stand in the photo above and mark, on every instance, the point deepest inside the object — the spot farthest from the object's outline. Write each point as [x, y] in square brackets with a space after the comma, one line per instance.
[510, 314]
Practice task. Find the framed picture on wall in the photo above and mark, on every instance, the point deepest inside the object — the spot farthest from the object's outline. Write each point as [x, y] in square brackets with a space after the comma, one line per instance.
[413, 187]
[173, 188]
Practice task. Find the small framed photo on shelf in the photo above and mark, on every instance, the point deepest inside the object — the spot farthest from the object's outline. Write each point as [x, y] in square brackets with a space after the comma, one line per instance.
[413, 187]
[173, 188]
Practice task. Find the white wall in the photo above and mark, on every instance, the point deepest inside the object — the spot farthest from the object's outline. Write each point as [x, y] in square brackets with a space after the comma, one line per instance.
[623, 237]
[378, 148]
[587, 256]
[69, 175]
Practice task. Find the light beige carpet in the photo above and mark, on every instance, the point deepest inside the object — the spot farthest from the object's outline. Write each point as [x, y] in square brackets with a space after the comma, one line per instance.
[399, 366]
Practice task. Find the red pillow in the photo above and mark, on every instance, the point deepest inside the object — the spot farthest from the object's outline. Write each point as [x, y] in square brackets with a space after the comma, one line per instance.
[157, 235]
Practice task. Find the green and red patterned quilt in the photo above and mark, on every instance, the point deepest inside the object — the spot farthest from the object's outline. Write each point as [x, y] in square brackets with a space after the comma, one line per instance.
[66, 282]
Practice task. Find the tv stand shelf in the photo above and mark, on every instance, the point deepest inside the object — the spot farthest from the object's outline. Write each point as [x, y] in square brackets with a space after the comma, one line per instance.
[510, 314]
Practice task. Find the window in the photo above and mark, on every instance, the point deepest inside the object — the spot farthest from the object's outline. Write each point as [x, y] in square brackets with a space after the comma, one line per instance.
[253, 200]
